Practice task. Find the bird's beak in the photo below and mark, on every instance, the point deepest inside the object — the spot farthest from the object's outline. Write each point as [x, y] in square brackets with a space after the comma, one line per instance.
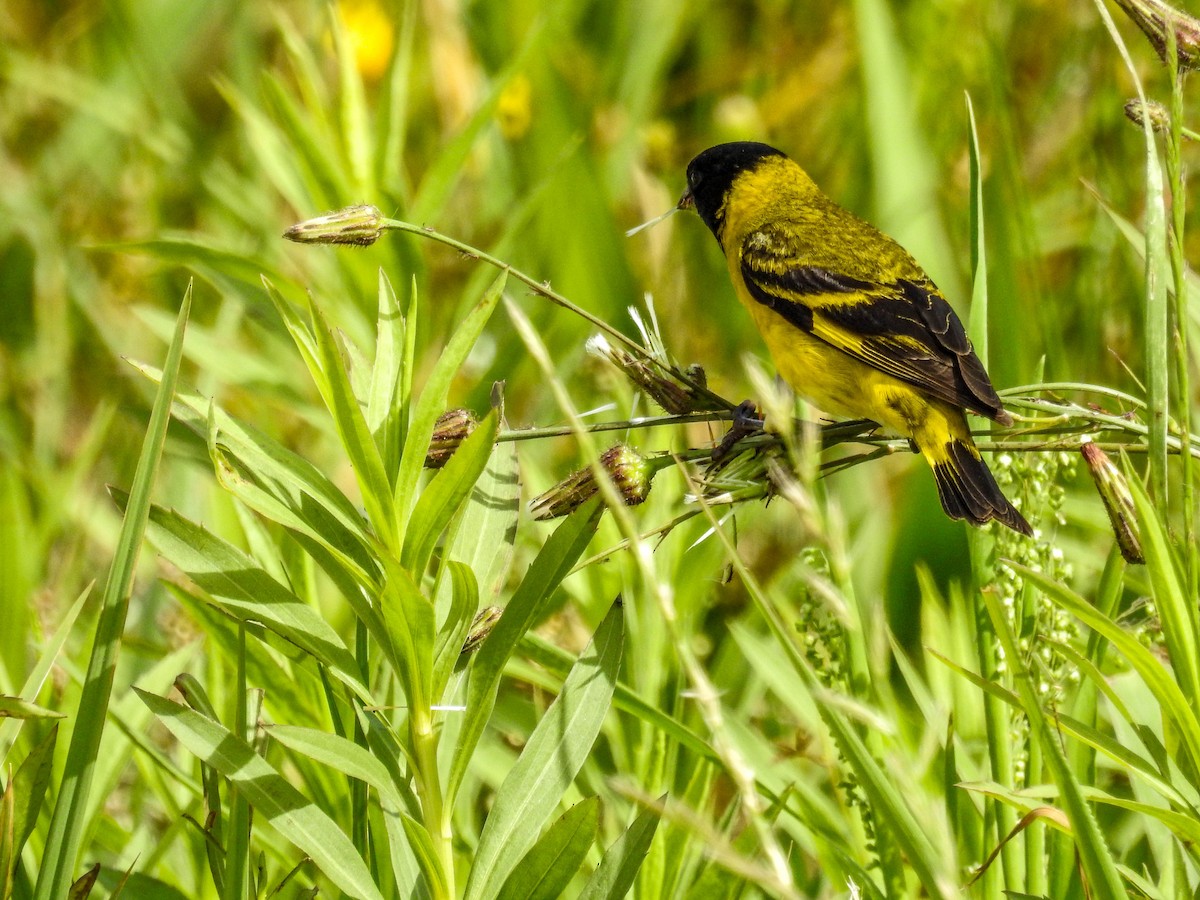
[687, 201]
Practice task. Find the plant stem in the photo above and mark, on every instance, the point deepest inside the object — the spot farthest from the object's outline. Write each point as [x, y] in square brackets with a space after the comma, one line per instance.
[1183, 392]
[543, 289]
[434, 812]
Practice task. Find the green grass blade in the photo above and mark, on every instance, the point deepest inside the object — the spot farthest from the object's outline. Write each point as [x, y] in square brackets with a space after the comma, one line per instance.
[905, 177]
[291, 813]
[618, 869]
[1096, 860]
[977, 324]
[1158, 275]
[1177, 610]
[67, 824]
[355, 127]
[550, 760]
[37, 677]
[244, 590]
[28, 786]
[546, 870]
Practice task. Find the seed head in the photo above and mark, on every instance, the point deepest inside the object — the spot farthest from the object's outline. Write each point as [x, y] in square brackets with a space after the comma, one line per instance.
[485, 620]
[627, 468]
[1158, 20]
[452, 428]
[1118, 501]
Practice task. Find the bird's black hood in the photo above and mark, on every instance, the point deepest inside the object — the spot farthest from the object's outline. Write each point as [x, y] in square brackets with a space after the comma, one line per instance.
[711, 173]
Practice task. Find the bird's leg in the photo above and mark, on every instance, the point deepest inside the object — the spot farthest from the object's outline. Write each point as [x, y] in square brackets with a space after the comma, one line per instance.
[747, 420]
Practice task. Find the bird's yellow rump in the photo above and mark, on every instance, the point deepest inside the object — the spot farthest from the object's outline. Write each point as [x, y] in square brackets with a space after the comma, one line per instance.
[851, 320]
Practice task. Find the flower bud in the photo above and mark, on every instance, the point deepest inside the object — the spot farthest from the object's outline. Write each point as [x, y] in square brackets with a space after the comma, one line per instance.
[485, 620]
[1151, 111]
[674, 396]
[452, 428]
[1118, 501]
[358, 225]
[627, 468]
[1157, 20]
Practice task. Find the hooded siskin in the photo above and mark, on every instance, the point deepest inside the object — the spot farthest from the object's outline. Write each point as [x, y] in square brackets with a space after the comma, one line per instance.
[851, 320]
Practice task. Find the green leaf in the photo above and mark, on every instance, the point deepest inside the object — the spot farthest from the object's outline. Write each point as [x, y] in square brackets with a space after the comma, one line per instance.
[314, 504]
[29, 789]
[341, 755]
[550, 760]
[16, 708]
[409, 619]
[453, 633]
[433, 398]
[546, 870]
[552, 564]
[351, 425]
[1177, 610]
[426, 854]
[614, 877]
[487, 530]
[446, 493]
[290, 813]
[384, 412]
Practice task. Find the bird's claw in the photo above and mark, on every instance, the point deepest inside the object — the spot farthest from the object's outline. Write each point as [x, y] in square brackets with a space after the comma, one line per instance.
[747, 420]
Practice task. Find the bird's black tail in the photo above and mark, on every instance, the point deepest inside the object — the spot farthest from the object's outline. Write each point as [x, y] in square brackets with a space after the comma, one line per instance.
[968, 490]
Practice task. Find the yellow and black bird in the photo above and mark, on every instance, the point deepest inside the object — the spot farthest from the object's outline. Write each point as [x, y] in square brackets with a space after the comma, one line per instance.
[851, 320]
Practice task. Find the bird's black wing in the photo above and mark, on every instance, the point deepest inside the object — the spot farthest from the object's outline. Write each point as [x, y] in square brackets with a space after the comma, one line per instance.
[903, 327]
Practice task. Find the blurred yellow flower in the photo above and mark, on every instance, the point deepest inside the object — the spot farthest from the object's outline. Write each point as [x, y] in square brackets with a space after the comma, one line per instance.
[514, 109]
[372, 35]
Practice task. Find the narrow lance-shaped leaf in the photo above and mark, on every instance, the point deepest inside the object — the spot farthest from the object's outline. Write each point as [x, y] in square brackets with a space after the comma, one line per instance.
[546, 870]
[348, 418]
[550, 760]
[614, 877]
[445, 495]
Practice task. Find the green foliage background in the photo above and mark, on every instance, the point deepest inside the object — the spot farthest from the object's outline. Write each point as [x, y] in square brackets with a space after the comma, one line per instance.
[144, 143]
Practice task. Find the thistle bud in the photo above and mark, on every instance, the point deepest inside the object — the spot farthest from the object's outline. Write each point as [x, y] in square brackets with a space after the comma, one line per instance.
[1151, 112]
[452, 428]
[1118, 501]
[674, 396]
[485, 620]
[358, 225]
[628, 469]
[1157, 20]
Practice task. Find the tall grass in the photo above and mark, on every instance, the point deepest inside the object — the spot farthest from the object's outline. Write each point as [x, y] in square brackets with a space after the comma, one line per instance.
[834, 693]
